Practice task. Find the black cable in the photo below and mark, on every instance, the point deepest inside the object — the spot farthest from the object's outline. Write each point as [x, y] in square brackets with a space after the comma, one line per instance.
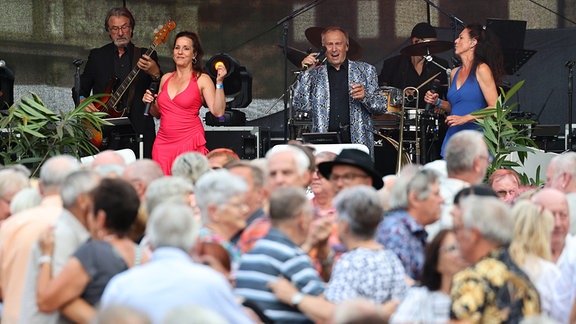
[552, 11]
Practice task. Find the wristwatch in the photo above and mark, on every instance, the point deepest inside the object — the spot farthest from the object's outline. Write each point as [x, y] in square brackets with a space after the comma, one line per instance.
[296, 299]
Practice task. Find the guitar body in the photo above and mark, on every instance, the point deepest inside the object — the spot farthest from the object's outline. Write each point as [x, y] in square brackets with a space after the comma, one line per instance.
[106, 106]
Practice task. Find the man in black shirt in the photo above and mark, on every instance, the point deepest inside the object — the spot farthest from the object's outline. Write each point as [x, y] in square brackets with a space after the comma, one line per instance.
[412, 71]
[114, 61]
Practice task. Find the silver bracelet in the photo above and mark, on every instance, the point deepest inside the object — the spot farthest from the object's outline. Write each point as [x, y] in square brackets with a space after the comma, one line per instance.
[44, 259]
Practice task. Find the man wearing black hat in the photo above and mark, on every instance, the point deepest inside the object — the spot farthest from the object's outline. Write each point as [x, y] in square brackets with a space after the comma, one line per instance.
[351, 168]
[411, 71]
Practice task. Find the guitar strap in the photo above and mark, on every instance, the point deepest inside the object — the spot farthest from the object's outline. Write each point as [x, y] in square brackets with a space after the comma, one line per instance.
[130, 99]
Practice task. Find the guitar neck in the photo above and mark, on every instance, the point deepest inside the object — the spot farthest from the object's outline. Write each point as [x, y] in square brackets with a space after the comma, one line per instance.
[117, 95]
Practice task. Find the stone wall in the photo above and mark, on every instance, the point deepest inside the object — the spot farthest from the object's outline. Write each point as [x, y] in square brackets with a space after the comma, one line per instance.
[40, 39]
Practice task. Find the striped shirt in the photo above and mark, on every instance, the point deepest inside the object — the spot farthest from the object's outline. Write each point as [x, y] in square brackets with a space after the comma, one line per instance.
[272, 256]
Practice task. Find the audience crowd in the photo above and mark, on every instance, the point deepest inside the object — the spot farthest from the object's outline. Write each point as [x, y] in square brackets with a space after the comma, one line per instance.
[296, 237]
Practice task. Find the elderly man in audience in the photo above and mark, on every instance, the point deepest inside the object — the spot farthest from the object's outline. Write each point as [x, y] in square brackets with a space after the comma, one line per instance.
[563, 245]
[561, 175]
[140, 174]
[19, 233]
[257, 194]
[493, 289]
[221, 198]
[70, 231]
[108, 163]
[11, 182]
[289, 166]
[351, 168]
[279, 254]
[367, 270]
[172, 278]
[467, 160]
[402, 230]
[530, 249]
[506, 183]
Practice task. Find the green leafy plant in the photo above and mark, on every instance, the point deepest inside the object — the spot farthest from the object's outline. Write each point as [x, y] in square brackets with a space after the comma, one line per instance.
[32, 132]
[505, 135]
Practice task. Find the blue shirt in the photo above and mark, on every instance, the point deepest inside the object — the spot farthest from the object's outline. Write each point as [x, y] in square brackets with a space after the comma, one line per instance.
[272, 256]
[169, 280]
[401, 234]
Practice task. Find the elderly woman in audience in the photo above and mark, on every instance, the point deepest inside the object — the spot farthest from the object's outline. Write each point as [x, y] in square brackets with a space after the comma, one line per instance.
[530, 249]
[108, 253]
[430, 302]
[367, 270]
[221, 198]
[506, 183]
[190, 166]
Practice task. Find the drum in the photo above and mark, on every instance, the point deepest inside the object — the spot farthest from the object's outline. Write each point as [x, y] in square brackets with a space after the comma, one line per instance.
[386, 155]
[395, 98]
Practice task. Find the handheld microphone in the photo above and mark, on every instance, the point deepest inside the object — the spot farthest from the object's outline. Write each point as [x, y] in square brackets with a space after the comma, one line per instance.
[319, 57]
[154, 89]
[434, 89]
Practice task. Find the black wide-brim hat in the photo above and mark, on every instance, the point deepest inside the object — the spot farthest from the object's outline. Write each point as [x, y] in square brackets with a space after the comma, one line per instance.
[355, 158]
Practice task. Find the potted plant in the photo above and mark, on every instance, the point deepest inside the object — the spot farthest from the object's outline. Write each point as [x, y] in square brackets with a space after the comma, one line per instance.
[31, 133]
[506, 136]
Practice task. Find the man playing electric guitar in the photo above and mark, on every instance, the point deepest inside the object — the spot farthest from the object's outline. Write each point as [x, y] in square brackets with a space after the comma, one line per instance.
[115, 61]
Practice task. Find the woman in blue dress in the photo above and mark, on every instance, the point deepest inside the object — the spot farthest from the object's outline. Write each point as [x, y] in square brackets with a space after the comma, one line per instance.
[474, 83]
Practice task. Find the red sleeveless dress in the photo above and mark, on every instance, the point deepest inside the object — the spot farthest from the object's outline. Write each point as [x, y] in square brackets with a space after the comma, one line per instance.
[181, 129]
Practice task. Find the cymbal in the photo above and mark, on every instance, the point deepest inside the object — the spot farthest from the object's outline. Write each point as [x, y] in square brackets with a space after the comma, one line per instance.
[426, 48]
[295, 56]
[314, 36]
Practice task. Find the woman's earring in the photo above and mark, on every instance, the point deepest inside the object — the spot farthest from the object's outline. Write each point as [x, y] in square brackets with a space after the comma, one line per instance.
[194, 60]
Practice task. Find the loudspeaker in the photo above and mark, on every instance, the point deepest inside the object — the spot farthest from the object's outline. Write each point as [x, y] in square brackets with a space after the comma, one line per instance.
[119, 135]
[248, 142]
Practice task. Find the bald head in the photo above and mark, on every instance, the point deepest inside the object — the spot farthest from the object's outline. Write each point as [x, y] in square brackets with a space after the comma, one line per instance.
[555, 201]
[108, 157]
[141, 173]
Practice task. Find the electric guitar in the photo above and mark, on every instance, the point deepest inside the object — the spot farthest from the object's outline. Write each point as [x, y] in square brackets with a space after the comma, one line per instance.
[109, 102]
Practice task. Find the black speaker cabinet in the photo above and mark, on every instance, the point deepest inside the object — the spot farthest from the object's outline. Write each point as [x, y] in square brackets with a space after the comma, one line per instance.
[249, 142]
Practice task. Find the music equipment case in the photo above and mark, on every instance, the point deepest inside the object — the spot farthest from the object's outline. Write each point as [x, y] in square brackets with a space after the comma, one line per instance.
[249, 142]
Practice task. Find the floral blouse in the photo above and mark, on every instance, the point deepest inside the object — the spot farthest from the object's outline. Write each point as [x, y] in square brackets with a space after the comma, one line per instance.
[494, 290]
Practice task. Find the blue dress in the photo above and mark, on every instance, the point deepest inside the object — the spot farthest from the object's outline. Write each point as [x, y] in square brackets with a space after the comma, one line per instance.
[464, 101]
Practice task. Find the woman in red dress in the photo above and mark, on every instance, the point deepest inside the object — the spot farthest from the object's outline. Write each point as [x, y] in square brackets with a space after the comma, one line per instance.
[181, 95]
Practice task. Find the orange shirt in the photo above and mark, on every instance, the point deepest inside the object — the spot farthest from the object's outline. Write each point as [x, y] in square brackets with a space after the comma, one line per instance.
[18, 234]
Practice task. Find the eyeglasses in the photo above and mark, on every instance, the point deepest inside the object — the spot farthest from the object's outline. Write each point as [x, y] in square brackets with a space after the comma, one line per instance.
[488, 158]
[347, 177]
[449, 248]
[116, 29]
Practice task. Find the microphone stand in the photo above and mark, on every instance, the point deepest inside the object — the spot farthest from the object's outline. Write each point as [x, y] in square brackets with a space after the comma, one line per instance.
[285, 23]
[454, 21]
[76, 93]
[570, 66]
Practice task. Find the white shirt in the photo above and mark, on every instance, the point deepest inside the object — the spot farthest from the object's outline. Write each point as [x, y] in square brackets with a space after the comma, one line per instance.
[423, 306]
[567, 265]
[547, 278]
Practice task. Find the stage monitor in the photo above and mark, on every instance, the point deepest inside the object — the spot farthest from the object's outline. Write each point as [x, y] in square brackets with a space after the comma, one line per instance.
[511, 33]
[321, 138]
